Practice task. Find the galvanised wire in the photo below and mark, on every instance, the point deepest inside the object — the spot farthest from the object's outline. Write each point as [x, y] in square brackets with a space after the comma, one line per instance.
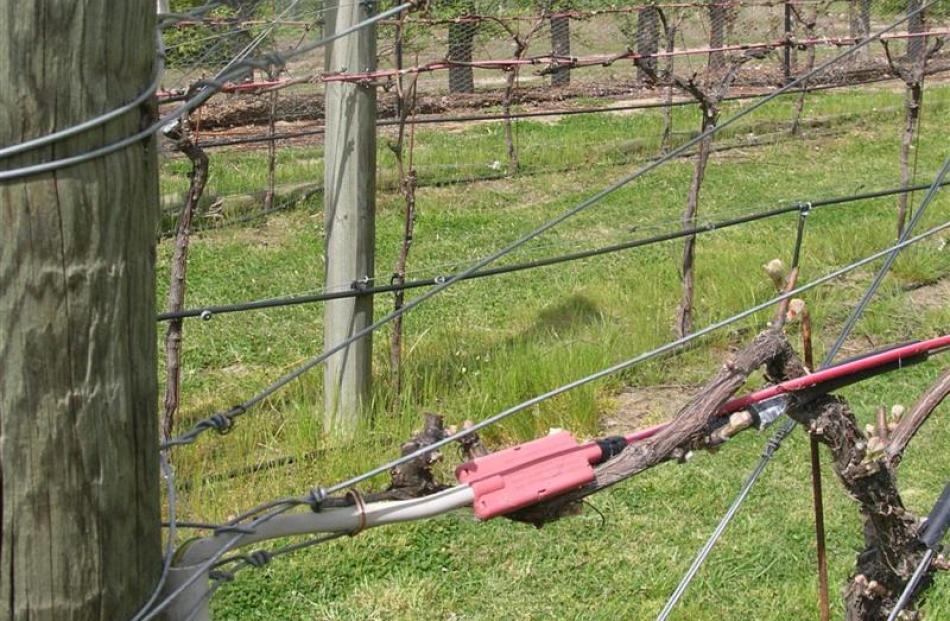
[357, 289]
[223, 421]
[789, 425]
[315, 496]
[206, 90]
[94, 122]
[633, 361]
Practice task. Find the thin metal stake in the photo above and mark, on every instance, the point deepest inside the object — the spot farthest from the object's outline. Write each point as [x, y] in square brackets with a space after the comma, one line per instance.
[823, 597]
[823, 605]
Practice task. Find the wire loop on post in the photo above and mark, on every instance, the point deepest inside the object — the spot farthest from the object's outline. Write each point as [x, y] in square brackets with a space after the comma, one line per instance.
[96, 122]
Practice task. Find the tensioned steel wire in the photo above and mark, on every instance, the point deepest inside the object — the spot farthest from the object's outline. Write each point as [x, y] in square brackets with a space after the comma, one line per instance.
[626, 364]
[94, 122]
[222, 421]
[147, 611]
[279, 506]
[789, 425]
[605, 372]
[205, 91]
[166, 468]
[284, 507]
[169, 475]
[104, 118]
[356, 289]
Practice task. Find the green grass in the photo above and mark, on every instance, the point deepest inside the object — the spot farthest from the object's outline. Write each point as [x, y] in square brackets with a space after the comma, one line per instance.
[487, 344]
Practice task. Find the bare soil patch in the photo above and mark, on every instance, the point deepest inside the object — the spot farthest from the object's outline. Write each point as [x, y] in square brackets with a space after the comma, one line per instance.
[638, 407]
[932, 295]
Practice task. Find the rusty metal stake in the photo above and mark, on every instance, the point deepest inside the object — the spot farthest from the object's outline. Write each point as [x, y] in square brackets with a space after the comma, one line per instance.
[824, 611]
[823, 606]
[781, 316]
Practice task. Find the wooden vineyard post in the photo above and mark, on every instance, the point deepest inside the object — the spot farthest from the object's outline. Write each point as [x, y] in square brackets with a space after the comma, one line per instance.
[349, 212]
[78, 410]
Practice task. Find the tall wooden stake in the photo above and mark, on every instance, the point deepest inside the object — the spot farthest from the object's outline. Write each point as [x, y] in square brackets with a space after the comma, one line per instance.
[79, 472]
[349, 205]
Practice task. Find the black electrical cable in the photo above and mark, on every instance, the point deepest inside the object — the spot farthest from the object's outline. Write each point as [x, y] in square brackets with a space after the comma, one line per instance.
[359, 289]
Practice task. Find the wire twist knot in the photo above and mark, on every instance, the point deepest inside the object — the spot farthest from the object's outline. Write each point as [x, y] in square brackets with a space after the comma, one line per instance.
[221, 423]
[221, 576]
[258, 558]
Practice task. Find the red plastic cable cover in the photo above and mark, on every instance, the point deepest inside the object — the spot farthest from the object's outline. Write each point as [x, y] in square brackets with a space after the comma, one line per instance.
[531, 472]
[841, 370]
[528, 473]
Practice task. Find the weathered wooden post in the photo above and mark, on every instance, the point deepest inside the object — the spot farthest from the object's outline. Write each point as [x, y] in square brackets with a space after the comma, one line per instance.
[78, 423]
[349, 204]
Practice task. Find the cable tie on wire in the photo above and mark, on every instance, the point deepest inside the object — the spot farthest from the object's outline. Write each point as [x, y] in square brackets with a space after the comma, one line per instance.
[315, 499]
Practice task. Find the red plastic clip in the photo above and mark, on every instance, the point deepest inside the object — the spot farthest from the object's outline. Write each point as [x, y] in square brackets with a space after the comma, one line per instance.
[528, 473]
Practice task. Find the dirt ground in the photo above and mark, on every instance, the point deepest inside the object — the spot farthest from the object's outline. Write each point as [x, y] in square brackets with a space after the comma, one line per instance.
[637, 407]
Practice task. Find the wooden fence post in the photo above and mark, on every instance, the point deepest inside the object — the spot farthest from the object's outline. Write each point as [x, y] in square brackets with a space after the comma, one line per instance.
[79, 468]
[349, 213]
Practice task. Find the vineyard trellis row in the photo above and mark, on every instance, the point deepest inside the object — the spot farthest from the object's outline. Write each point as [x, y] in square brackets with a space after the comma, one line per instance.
[244, 69]
[707, 84]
